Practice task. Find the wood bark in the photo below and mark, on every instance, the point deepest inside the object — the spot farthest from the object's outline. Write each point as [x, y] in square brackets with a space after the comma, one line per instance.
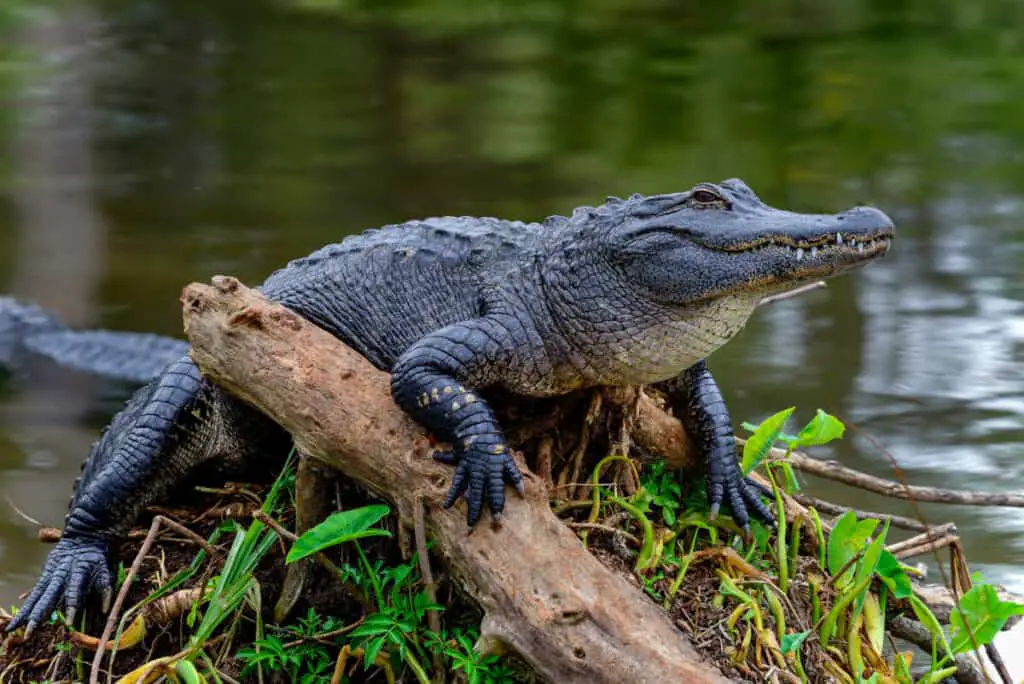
[543, 595]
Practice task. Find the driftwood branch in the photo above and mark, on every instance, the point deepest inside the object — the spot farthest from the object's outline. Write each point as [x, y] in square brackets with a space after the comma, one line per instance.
[665, 436]
[833, 470]
[543, 595]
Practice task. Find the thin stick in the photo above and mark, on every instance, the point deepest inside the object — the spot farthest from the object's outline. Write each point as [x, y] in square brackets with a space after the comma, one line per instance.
[544, 454]
[795, 292]
[593, 410]
[997, 661]
[927, 547]
[919, 539]
[108, 629]
[420, 533]
[185, 532]
[22, 514]
[833, 470]
[830, 508]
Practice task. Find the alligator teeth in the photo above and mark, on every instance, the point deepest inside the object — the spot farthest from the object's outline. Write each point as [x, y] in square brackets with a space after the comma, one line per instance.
[799, 253]
[814, 252]
[839, 238]
[860, 248]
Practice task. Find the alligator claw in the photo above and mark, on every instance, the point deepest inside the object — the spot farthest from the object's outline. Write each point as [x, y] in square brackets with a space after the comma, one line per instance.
[75, 566]
[744, 498]
[481, 473]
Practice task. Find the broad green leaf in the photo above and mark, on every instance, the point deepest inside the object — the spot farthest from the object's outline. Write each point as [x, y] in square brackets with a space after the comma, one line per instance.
[891, 571]
[759, 443]
[869, 563]
[791, 642]
[985, 614]
[339, 528]
[848, 538]
[784, 436]
[822, 429]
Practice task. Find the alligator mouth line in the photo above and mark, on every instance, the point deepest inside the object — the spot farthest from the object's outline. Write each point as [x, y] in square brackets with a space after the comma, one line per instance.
[867, 245]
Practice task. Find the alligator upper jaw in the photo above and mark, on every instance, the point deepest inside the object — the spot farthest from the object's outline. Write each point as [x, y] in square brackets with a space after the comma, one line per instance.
[855, 234]
[837, 248]
[779, 264]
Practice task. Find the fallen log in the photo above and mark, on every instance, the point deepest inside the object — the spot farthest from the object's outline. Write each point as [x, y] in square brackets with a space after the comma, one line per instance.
[543, 595]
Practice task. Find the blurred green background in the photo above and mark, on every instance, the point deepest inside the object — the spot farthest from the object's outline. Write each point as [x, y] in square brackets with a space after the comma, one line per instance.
[149, 144]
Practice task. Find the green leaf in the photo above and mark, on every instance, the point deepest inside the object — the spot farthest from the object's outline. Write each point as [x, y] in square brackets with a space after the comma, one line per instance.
[848, 538]
[872, 555]
[984, 613]
[822, 429]
[371, 650]
[927, 618]
[760, 443]
[339, 528]
[784, 436]
[891, 571]
[791, 642]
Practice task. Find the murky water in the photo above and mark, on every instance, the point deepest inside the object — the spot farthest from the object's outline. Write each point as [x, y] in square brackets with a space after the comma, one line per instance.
[149, 144]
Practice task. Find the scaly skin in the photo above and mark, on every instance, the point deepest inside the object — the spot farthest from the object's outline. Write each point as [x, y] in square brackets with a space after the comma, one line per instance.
[634, 291]
[137, 357]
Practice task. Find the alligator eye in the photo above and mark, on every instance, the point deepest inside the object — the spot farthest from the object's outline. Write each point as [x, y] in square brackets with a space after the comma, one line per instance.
[705, 197]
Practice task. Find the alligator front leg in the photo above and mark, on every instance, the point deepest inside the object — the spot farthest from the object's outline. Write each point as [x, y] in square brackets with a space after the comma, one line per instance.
[430, 383]
[698, 403]
[148, 448]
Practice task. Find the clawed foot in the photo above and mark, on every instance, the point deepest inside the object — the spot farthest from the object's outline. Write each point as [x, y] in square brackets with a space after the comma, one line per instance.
[75, 566]
[744, 497]
[481, 472]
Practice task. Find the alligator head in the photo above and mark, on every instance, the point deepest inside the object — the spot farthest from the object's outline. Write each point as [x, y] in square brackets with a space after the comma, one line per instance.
[721, 240]
[648, 285]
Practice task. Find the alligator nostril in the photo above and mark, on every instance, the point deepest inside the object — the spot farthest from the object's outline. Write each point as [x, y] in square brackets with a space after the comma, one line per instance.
[867, 219]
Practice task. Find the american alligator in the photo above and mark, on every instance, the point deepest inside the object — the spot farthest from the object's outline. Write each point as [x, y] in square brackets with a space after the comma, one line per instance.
[28, 329]
[633, 291]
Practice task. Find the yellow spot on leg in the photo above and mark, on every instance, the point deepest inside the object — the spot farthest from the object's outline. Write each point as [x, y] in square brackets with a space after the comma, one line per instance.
[455, 406]
[469, 398]
[499, 448]
[448, 389]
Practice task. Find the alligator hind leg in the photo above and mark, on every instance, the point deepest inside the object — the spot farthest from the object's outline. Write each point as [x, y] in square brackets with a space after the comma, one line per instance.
[698, 403]
[162, 432]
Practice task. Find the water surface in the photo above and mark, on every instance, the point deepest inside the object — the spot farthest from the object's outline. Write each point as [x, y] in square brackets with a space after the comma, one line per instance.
[149, 144]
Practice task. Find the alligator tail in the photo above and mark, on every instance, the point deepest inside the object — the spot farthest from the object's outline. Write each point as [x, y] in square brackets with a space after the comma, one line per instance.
[136, 357]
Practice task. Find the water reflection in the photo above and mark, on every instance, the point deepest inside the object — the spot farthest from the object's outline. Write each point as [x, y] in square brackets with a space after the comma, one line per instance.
[181, 139]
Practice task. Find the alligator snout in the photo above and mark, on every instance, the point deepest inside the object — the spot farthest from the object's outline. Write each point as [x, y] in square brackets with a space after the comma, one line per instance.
[867, 220]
